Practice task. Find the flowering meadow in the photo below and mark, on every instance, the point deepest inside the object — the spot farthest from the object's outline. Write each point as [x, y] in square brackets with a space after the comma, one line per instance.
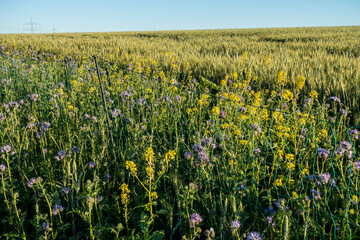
[181, 157]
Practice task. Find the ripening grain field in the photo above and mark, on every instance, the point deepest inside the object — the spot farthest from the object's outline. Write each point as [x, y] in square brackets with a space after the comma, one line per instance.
[221, 134]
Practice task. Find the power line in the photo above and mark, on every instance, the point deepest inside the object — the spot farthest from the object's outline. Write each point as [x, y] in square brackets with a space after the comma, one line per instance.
[32, 27]
[54, 30]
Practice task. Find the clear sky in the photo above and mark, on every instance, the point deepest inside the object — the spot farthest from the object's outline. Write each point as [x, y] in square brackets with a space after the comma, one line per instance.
[144, 15]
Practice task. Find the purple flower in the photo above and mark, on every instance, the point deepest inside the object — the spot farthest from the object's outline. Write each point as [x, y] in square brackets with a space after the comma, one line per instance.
[178, 98]
[107, 177]
[45, 226]
[6, 148]
[280, 204]
[2, 168]
[115, 113]
[195, 219]
[61, 154]
[14, 104]
[344, 112]
[254, 236]
[90, 200]
[32, 181]
[357, 166]
[325, 177]
[307, 101]
[58, 208]
[235, 224]
[187, 155]
[33, 97]
[92, 164]
[94, 119]
[335, 99]
[315, 194]
[256, 128]
[354, 132]
[2, 117]
[75, 150]
[99, 199]
[269, 219]
[197, 148]
[322, 152]
[223, 114]
[65, 190]
[243, 109]
[257, 151]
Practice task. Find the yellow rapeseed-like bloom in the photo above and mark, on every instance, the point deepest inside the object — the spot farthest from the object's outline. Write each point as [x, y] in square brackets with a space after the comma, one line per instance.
[130, 165]
[352, 212]
[314, 95]
[305, 172]
[278, 182]
[170, 155]
[188, 110]
[124, 193]
[287, 95]
[216, 111]
[295, 195]
[323, 133]
[281, 78]
[223, 83]
[300, 82]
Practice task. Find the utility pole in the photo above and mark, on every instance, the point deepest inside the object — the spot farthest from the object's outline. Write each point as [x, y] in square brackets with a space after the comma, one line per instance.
[31, 27]
[54, 29]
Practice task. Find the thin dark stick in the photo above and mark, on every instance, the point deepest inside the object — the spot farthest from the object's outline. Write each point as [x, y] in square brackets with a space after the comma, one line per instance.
[104, 101]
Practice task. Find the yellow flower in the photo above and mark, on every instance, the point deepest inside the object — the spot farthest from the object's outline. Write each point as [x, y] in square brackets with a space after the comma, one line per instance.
[216, 110]
[323, 133]
[170, 155]
[188, 110]
[154, 195]
[287, 95]
[223, 83]
[281, 78]
[291, 166]
[314, 95]
[124, 193]
[130, 165]
[278, 182]
[352, 212]
[305, 171]
[294, 195]
[235, 75]
[300, 82]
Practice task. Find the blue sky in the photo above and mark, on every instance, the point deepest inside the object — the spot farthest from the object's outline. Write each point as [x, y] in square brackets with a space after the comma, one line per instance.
[145, 15]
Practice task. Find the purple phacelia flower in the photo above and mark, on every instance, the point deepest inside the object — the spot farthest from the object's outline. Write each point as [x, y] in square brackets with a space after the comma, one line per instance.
[188, 155]
[6, 149]
[315, 194]
[254, 236]
[354, 132]
[357, 166]
[75, 150]
[195, 219]
[57, 209]
[344, 112]
[322, 152]
[115, 113]
[45, 226]
[2, 168]
[33, 97]
[92, 164]
[65, 190]
[223, 114]
[335, 99]
[235, 224]
[325, 177]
